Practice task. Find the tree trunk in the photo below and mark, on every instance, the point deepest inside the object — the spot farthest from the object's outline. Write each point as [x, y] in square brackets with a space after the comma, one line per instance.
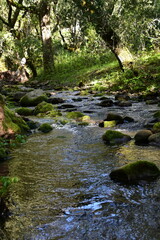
[114, 43]
[44, 18]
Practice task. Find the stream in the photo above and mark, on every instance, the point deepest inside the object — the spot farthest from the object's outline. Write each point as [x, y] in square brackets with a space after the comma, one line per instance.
[65, 192]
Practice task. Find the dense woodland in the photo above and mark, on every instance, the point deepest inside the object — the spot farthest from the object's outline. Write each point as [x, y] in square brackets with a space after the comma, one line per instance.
[64, 41]
[97, 48]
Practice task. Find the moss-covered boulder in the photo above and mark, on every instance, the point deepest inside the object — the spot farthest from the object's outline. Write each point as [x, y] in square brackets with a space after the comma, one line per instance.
[107, 124]
[115, 137]
[154, 139]
[114, 117]
[74, 115]
[156, 127]
[10, 123]
[33, 98]
[43, 107]
[23, 111]
[142, 136]
[134, 172]
[157, 114]
[45, 128]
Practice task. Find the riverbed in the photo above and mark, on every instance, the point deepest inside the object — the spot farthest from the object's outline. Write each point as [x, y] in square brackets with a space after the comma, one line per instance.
[65, 192]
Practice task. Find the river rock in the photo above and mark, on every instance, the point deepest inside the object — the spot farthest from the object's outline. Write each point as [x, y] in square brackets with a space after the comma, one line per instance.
[115, 137]
[114, 117]
[45, 128]
[154, 139]
[142, 136]
[43, 107]
[23, 111]
[128, 119]
[122, 97]
[10, 123]
[124, 103]
[33, 98]
[106, 103]
[134, 172]
[54, 100]
[107, 124]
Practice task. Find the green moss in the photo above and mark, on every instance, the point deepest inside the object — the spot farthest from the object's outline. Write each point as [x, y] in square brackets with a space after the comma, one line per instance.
[157, 114]
[115, 137]
[85, 118]
[108, 124]
[43, 107]
[54, 113]
[45, 128]
[29, 102]
[140, 170]
[74, 115]
[156, 126]
[24, 111]
[83, 124]
[11, 121]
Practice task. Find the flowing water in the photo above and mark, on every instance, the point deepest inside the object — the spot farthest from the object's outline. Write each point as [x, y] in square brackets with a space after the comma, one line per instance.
[65, 191]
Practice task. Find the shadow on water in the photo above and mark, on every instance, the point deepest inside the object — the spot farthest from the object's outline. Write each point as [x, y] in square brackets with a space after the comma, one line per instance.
[65, 191]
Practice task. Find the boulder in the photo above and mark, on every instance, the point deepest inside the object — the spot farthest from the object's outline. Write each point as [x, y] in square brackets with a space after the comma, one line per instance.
[134, 172]
[54, 100]
[23, 111]
[107, 124]
[115, 137]
[10, 123]
[156, 127]
[114, 117]
[45, 128]
[33, 98]
[154, 139]
[74, 115]
[43, 107]
[142, 136]
[124, 103]
[106, 103]
[128, 119]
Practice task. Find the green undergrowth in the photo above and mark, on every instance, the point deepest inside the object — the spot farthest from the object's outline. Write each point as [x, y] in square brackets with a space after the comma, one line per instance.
[103, 73]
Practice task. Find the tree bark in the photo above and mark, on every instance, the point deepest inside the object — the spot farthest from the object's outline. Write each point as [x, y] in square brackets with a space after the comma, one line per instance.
[44, 18]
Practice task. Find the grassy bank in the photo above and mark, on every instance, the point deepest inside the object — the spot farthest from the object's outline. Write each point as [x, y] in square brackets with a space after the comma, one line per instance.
[71, 68]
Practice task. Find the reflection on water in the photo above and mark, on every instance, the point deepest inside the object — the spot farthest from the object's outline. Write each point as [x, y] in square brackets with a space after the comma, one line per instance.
[65, 192]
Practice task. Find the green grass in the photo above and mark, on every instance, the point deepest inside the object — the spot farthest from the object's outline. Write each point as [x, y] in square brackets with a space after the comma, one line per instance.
[102, 68]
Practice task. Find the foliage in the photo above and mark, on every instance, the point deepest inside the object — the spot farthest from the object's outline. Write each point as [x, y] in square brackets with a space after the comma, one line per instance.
[5, 182]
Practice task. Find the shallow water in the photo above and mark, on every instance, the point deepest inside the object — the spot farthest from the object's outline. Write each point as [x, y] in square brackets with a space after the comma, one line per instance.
[65, 191]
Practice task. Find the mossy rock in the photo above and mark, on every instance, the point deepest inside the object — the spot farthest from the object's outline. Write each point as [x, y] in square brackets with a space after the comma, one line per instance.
[28, 102]
[12, 123]
[24, 111]
[83, 124]
[115, 137]
[156, 127]
[45, 128]
[114, 117]
[74, 115]
[154, 139]
[157, 114]
[43, 107]
[54, 113]
[134, 172]
[32, 124]
[33, 98]
[85, 118]
[107, 124]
